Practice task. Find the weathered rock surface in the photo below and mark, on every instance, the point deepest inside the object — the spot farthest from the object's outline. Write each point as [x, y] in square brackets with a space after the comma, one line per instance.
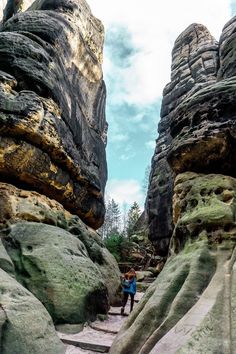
[191, 204]
[52, 172]
[18, 205]
[53, 128]
[203, 205]
[208, 326]
[196, 131]
[187, 309]
[166, 301]
[90, 254]
[54, 266]
[25, 325]
[6, 263]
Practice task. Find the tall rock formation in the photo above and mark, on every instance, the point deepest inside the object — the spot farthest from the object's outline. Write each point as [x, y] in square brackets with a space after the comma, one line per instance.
[52, 99]
[191, 306]
[194, 66]
[52, 171]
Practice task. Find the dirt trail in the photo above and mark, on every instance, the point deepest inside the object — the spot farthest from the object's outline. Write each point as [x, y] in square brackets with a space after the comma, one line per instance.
[98, 336]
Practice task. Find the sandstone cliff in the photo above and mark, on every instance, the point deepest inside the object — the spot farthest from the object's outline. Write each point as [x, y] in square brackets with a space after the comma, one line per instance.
[52, 173]
[53, 127]
[191, 205]
[195, 64]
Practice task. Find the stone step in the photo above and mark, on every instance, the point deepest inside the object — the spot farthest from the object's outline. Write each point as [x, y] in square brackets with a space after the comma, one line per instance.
[117, 313]
[89, 339]
[111, 325]
[98, 336]
[98, 348]
[149, 279]
[71, 349]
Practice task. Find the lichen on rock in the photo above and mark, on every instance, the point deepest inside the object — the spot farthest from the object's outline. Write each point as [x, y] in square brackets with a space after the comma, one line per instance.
[25, 325]
[197, 130]
[203, 205]
[52, 173]
[52, 100]
[54, 266]
[191, 206]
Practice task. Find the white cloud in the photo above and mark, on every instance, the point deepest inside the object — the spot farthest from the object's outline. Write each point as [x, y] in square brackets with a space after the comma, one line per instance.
[127, 156]
[125, 191]
[154, 25]
[128, 153]
[145, 127]
[150, 144]
[119, 137]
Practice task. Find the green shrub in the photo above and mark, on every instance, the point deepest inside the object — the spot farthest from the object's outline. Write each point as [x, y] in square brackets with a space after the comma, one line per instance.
[118, 245]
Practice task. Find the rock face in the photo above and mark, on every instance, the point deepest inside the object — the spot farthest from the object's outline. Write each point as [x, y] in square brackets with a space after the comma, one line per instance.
[25, 325]
[60, 274]
[63, 262]
[197, 122]
[203, 204]
[191, 206]
[187, 309]
[53, 128]
[52, 173]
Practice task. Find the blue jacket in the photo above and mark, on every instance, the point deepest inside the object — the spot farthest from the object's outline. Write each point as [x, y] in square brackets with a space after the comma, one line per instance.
[132, 287]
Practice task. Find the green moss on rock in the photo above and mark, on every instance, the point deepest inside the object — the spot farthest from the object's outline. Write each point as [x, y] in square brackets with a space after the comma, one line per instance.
[174, 292]
[25, 325]
[55, 266]
[204, 204]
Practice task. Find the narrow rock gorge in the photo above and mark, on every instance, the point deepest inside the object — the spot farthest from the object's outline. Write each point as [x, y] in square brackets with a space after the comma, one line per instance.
[191, 206]
[54, 267]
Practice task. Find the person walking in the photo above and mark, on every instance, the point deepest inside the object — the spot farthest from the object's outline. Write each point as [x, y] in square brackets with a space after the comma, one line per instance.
[129, 289]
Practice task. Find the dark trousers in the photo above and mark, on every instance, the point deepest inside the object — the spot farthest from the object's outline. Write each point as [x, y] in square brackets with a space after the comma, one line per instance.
[125, 299]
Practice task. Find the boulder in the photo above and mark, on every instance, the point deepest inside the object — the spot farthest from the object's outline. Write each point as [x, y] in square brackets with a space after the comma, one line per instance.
[141, 275]
[55, 266]
[25, 325]
[182, 310]
[100, 255]
[19, 205]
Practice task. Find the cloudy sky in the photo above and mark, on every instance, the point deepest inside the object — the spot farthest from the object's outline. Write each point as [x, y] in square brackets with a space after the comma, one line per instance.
[137, 59]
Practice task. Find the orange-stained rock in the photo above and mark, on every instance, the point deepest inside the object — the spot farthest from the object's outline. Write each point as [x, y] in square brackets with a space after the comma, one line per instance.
[52, 105]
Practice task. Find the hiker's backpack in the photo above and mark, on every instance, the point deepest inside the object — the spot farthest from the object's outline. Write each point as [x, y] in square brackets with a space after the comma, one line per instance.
[126, 283]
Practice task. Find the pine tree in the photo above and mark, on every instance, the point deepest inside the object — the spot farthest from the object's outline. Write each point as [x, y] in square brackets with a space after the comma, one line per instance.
[133, 216]
[112, 219]
[124, 219]
[115, 216]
